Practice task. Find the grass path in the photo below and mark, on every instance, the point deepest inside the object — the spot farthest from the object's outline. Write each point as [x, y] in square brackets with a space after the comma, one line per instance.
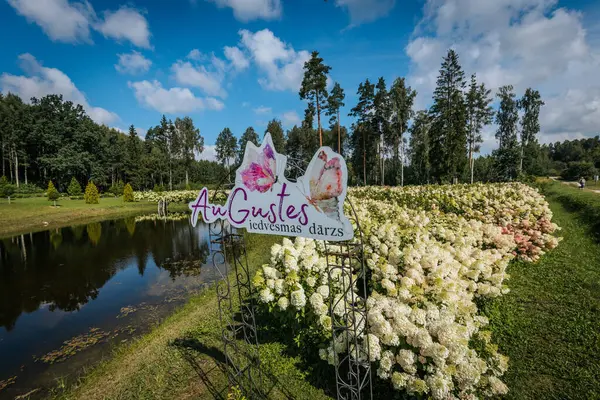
[549, 324]
[37, 213]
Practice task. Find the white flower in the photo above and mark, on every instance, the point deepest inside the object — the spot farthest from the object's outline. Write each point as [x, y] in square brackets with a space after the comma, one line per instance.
[298, 298]
[323, 290]
[283, 303]
[266, 296]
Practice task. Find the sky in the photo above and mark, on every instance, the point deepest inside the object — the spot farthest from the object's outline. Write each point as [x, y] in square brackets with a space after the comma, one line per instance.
[239, 63]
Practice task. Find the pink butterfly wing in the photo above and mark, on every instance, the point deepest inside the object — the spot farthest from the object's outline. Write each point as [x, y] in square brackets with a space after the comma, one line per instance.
[260, 174]
[328, 184]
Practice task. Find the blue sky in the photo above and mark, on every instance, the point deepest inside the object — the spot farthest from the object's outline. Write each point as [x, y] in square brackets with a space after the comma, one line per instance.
[238, 63]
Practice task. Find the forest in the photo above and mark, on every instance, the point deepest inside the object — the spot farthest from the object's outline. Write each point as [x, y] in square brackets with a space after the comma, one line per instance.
[389, 142]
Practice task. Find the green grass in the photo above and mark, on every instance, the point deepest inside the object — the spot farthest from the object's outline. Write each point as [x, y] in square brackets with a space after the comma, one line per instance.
[170, 362]
[549, 324]
[38, 214]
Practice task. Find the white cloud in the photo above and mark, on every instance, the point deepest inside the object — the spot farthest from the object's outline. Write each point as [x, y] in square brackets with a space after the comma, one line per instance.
[290, 118]
[364, 11]
[60, 20]
[283, 66]
[126, 24]
[262, 110]
[237, 58]
[42, 81]
[526, 43]
[173, 100]
[248, 10]
[133, 63]
[70, 22]
[196, 55]
[189, 75]
[209, 153]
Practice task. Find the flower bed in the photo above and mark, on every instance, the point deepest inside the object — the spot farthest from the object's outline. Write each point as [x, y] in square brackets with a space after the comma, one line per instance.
[176, 196]
[432, 253]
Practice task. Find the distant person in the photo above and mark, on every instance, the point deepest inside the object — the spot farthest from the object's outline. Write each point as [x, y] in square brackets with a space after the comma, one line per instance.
[581, 183]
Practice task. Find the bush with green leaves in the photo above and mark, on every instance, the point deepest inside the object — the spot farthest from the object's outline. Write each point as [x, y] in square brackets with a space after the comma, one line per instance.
[91, 195]
[52, 193]
[117, 188]
[6, 188]
[158, 188]
[578, 169]
[74, 188]
[128, 193]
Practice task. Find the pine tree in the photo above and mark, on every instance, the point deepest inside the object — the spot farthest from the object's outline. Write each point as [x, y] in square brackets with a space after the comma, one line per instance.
[128, 193]
[381, 123]
[249, 135]
[507, 154]
[479, 114]
[401, 99]
[334, 103]
[448, 134]
[419, 146]
[363, 135]
[276, 130]
[91, 195]
[530, 103]
[314, 86]
[189, 143]
[226, 148]
[74, 188]
[52, 193]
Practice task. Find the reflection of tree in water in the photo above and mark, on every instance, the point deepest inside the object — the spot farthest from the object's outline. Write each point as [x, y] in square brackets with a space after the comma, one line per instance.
[94, 232]
[68, 275]
[130, 224]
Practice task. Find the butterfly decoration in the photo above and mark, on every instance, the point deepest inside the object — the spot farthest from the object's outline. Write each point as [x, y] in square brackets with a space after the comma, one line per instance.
[264, 166]
[325, 183]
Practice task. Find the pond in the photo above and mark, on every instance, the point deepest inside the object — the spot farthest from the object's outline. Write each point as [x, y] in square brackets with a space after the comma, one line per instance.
[67, 296]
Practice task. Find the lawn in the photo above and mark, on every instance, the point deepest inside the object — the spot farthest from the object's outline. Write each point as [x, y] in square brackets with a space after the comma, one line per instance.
[37, 213]
[549, 324]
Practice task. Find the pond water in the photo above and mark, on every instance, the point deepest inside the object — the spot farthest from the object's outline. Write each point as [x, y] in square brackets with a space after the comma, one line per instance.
[68, 295]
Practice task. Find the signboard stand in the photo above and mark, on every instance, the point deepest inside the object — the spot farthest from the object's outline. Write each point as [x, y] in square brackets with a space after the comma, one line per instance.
[263, 200]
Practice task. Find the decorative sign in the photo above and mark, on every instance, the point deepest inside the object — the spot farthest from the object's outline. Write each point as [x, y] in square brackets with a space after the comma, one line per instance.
[264, 201]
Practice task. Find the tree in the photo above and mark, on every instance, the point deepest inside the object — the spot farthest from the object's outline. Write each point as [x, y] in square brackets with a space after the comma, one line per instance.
[276, 130]
[314, 86]
[530, 103]
[74, 189]
[334, 103]
[167, 139]
[479, 114]
[448, 134]
[419, 147]
[128, 193]
[507, 154]
[91, 195]
[401, 99]
[52, 193]
[190, 142]
[362, 132]
[133, 157]
[381, 122]
[249, 135]
[6, 189]
[226, 147]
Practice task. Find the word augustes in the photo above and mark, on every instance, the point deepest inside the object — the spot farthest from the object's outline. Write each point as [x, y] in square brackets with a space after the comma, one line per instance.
[259, 216]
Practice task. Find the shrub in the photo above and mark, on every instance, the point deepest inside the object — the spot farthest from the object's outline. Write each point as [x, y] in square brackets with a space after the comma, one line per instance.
[74, 188]
[6, 189]
[28, 189]
[52, 193]
[128, 193]
[577, 169]
[117, 188]
[158, 188]
[91, 193]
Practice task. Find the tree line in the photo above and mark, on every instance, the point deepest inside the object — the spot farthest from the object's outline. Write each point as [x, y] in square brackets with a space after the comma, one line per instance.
[389, 142]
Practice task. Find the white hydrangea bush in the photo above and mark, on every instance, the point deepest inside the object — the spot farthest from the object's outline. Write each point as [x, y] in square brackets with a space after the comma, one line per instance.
[176, 196]
[431, 253]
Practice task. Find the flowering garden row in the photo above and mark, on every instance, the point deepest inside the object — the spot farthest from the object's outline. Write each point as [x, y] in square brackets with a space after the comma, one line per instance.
[432, 253]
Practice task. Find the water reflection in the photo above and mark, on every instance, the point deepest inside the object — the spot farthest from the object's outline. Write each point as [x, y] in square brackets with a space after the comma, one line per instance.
[63, 269]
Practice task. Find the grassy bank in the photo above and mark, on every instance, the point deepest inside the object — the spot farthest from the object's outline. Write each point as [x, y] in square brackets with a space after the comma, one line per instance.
[37, 213]
[182, 358]
[549, 323]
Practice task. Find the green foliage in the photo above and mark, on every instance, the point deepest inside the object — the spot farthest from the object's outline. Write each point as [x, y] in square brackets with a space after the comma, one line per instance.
[52, 193]
[128, 193]
[576, 169]
[225, 146]
[117, 188]
[235, 394]
[91, 195]
[6, 189]
[158, 188]
[314, 87]
[74, 188]
[276, 130]
[507, 155]
[249, 135]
